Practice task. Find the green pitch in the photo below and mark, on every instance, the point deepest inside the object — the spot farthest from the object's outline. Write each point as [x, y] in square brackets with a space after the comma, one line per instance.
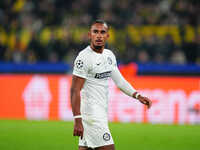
[57, 135]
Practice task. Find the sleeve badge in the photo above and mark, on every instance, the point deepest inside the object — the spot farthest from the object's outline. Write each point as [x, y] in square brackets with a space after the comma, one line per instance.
[79, 64]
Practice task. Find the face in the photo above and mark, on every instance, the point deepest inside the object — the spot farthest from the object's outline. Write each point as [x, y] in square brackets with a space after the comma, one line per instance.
[98, 35]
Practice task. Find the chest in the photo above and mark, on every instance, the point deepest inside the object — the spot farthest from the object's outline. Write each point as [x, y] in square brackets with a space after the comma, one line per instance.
[101, 67]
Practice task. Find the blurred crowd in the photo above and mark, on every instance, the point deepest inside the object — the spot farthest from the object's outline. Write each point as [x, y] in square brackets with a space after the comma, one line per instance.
[160, 31]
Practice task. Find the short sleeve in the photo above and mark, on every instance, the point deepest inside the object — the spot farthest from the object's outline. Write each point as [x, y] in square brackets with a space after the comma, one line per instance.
[80, 67]
[114, 61]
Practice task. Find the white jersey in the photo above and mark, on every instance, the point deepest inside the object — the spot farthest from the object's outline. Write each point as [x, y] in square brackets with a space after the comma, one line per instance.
[96, 68]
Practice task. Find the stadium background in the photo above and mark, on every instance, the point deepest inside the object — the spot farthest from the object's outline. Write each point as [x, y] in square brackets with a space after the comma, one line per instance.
[157, 44]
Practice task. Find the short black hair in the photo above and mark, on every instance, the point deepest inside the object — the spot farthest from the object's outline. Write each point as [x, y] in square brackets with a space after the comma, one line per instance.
[99, 21]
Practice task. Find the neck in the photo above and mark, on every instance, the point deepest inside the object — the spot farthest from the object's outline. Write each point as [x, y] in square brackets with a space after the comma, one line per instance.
[97, 49]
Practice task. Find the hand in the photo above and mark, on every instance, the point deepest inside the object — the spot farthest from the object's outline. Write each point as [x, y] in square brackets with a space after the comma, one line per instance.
[78, 127]
[144, 100]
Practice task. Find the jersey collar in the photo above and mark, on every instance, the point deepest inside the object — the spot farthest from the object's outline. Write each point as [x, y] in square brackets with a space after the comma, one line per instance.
[94, 51]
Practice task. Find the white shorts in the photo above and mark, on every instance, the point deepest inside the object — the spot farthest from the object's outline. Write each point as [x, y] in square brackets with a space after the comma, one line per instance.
[96, 133]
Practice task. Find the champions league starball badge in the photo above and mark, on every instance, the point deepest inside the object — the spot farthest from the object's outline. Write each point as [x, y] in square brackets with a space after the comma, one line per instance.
[106, 136]
[109, 61]
[79, 64]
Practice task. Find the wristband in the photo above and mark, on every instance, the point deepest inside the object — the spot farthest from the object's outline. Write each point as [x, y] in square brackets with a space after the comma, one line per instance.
[136, 95]
[78, 116]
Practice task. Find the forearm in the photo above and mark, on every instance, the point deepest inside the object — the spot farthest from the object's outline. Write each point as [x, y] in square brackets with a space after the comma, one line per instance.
[126, 87]
[122, 84]
[75, 102]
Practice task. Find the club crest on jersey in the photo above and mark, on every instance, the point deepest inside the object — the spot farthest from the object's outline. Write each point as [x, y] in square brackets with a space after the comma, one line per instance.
[106, 136]
[103, 75]
[79, 64]
[109, 61]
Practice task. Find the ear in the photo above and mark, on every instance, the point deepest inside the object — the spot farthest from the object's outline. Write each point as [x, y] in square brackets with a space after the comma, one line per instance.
[108, 35]
[89, 35]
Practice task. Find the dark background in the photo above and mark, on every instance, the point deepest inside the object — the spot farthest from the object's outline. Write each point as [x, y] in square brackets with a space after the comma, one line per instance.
[147, 32]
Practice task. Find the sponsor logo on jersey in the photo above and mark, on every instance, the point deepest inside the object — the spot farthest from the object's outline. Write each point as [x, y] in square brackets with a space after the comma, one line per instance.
[103, 75]
[106, 136]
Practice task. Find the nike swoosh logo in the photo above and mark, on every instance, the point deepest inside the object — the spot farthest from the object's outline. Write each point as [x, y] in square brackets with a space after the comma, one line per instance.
[98, 64]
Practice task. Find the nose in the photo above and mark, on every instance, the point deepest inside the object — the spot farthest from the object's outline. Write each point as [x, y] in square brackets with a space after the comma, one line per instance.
[99, 35]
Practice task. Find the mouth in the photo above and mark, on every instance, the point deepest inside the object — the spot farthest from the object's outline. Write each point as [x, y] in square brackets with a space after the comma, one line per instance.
[99, 41]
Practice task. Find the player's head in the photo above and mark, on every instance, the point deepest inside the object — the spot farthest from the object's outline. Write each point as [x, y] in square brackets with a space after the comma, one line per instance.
[98, 34]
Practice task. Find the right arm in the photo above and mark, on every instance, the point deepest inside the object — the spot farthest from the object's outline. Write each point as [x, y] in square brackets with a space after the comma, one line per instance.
[79, 76]
[77, 84]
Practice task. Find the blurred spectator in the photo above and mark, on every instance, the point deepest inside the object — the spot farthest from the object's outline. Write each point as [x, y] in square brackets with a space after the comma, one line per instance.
[48, 30]
[178, 57]
[159, 58]
[17, 57]
[197, 58]
[31, 57]
[2, 49]
[52, 57]
[143, 56]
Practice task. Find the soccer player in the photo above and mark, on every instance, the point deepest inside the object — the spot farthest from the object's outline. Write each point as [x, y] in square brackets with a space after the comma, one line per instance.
[89, 91]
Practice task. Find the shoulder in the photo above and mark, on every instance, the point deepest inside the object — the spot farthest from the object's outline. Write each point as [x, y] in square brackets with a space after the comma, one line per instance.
[110, 57]
[109, 53]
[84, 53]
[83, 57]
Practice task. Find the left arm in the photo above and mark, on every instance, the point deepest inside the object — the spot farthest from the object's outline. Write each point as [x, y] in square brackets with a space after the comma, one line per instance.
[126, 87]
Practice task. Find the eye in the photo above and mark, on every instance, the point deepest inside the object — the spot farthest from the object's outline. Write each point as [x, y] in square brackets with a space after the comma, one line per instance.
[95, 31]
[103, 32]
